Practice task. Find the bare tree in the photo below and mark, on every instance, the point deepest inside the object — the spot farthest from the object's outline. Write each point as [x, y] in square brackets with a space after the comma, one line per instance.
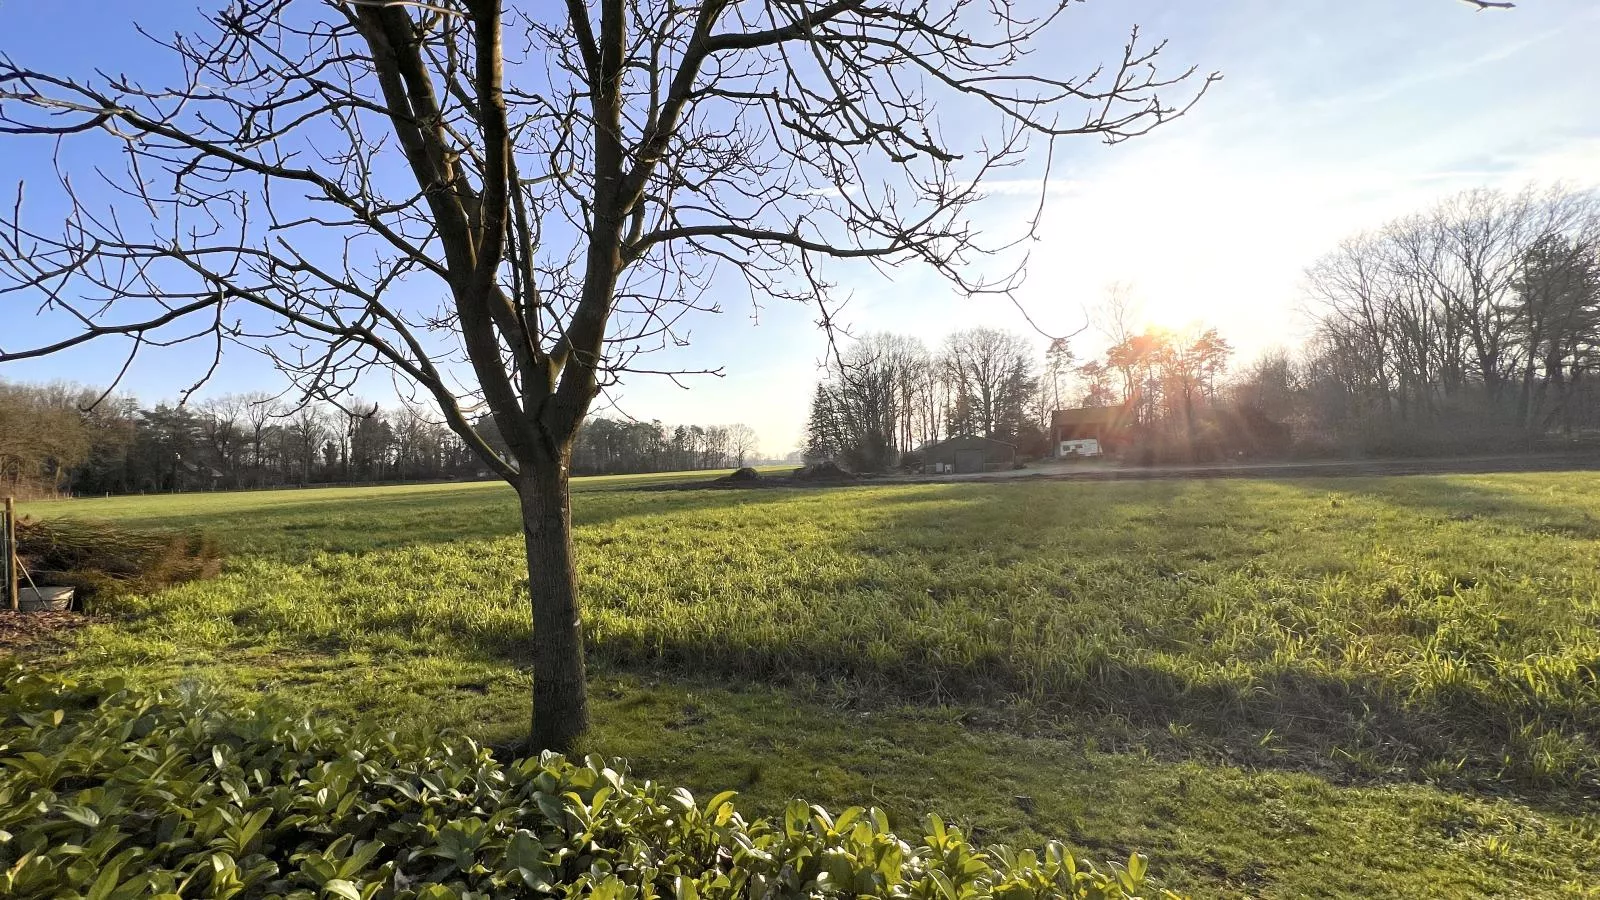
[221, 422]
[924, 396]
[305, 435]
[992, 378]
[742, 442]
[525, 200]
[1480, 310]
[1116, 317]
[260, 410]
[1351, 285]
[1058, 363]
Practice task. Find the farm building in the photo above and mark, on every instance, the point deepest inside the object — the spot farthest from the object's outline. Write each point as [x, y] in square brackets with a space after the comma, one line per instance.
[1090, 430]
[968, 454]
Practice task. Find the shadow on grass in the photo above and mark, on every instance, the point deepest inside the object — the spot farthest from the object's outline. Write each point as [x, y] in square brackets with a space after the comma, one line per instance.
[1333, 718]
[1465, 498]
[880, 636]
[1356, 730]
[1359, 728]
[1344, 721]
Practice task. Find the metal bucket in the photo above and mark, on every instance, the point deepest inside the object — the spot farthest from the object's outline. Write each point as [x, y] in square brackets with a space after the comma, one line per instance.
[44, 599]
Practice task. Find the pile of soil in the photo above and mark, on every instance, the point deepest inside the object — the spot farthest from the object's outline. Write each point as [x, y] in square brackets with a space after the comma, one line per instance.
[103, 560]
[814, 476]
[824, 471]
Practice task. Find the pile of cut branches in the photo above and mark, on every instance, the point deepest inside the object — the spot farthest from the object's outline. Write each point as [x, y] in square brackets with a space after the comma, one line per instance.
[103, 560]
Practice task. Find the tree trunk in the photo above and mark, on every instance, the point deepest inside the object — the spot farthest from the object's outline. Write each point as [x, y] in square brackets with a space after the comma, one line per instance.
[560, 702]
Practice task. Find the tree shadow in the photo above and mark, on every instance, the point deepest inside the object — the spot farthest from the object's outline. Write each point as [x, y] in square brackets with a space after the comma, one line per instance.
[1348, 730]
[947, 594]
[1534, 503]
[925, 620]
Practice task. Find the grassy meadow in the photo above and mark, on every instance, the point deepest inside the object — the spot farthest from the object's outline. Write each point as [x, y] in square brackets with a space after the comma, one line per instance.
[1348, 687]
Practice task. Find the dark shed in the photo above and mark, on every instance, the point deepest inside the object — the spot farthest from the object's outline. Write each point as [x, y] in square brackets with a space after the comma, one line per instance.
[968, 454]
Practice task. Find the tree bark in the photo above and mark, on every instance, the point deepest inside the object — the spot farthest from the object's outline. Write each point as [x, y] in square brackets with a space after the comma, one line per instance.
[560, 702]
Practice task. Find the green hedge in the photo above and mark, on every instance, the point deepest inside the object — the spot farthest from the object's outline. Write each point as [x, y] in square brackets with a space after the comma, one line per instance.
[111, 793]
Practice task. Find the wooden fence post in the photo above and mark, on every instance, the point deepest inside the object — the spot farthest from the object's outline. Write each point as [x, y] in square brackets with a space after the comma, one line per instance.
[9, 552]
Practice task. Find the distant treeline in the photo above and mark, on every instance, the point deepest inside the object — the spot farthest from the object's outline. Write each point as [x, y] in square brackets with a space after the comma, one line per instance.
[612, 447]
[1473, 327]
[1471, 324]
[56, 439]
[887, 395]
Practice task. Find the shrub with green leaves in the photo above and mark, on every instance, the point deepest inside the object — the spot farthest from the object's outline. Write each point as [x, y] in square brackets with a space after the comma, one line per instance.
[111, 793]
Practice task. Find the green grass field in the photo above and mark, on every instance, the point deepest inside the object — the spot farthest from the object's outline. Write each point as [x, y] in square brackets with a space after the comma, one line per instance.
[1352, 687]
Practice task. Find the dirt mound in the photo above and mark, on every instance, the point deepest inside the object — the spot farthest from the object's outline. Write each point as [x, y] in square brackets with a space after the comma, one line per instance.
[824, 471]
[103, 560]
[820, 475]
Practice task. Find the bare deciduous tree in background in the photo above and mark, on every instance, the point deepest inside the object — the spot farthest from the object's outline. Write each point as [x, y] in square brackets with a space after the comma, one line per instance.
[1482, 310]
[742, 442]
[992, 377]
[506, 206]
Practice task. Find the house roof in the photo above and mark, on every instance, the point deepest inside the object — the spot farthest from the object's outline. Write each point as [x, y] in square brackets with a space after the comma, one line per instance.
[964, 441]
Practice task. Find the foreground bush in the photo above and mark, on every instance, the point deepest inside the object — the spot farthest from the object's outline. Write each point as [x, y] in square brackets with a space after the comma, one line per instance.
[110, 793]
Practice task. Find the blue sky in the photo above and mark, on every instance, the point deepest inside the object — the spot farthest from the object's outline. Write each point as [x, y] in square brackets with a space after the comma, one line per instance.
[1332, 117]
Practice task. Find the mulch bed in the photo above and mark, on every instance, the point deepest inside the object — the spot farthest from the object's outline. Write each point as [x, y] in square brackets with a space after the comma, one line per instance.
[33, 630]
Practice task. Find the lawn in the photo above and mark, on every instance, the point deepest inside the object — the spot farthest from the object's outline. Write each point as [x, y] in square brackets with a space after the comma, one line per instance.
[1374, 687]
